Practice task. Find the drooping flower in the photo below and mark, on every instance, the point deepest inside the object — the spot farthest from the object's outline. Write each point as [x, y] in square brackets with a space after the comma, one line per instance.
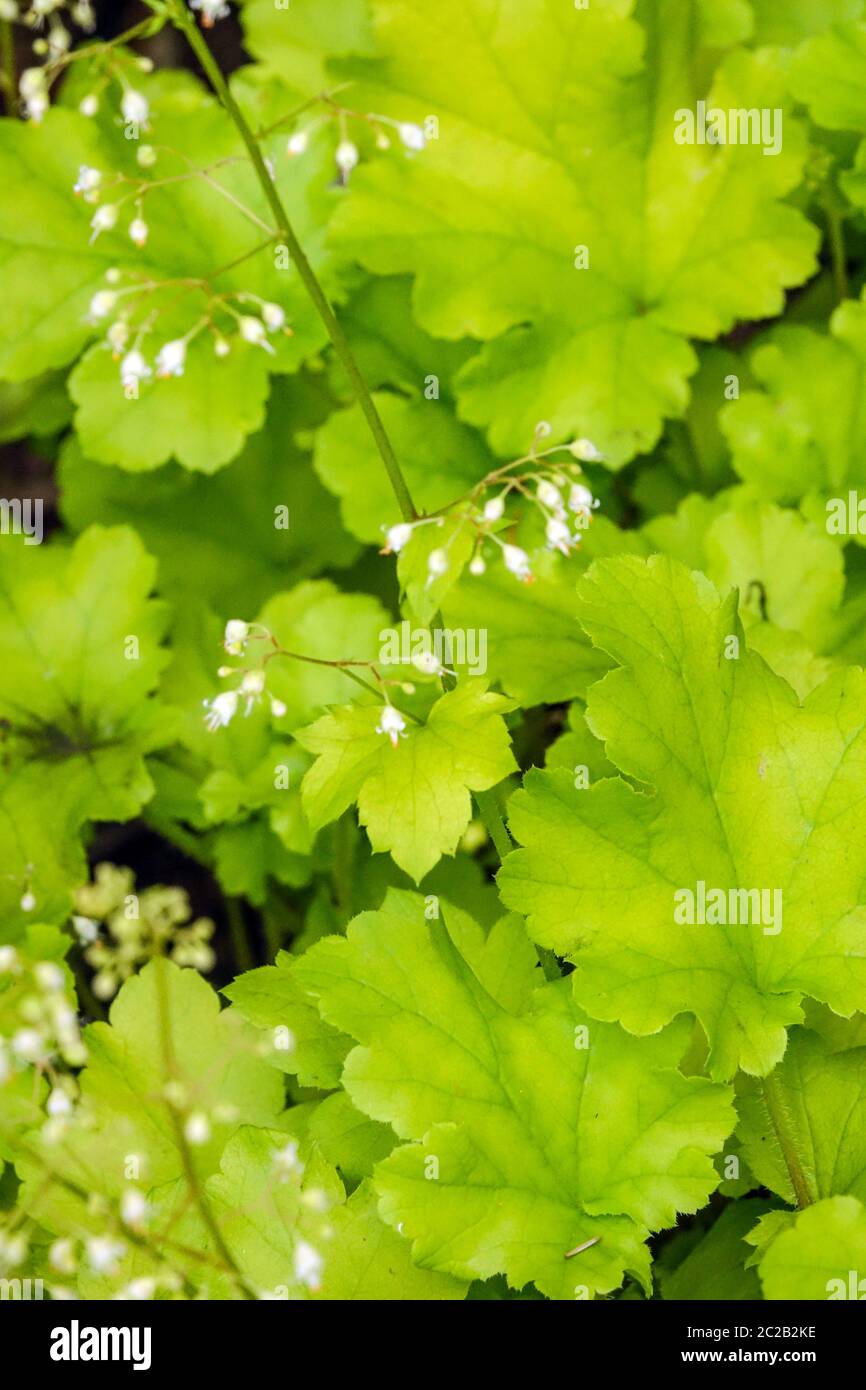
[494, 508]
[517, 562]
[437, 563]
[236, 636]
[171, 358]
[392, 723]
[88, 183]
[346, 155]
[308, 1265]
[138, 231]
[558, 535]
[412, 135]
[396, 537]
[103, 219]
[221, 710]
[211, 11]
[101, 305]
[134, 369]
[585, 451]
[274, 317]
[134, 107]
[297, 143]
[252, 330]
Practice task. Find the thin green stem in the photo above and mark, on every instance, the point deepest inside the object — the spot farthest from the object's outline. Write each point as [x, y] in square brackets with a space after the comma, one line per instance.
[185, 22]
[778, 1110]
[490, 814]
[187, 1160]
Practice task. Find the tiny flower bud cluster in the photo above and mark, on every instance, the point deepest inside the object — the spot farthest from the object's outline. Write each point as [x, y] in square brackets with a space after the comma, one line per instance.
[221, 709]
[137, 927]
[124, 308]
[40, 1029]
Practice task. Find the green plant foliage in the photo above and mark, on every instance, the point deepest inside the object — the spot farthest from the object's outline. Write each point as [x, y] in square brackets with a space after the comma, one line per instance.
[432, 611]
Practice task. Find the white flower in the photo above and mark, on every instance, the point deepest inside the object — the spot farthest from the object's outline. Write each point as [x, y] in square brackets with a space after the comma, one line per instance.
[9, 960]
[104, 1254]
[85, 929]
[82, 13]
[118, 336]
[211, 10]
[8, 9]
[146, 157]
[133, 368]
[135, 107]
[139, 1290]
[274, 317]
[171, 358]
[88, 183]
[89, 105]
[252, 330]
[428, 664]
[61, 1256]
[103, 219]
[286, 1160]
[252, 686]
[412, 135]
[13, 1251]
[398, 536]
[133, 1207]
[391, 723]
[197, 1128]
[580, 499]
[437, 563]
[346, 155]
[548, 495]
[28, 1045]
[308, 1265]
[477, 565]
[517, 562]
[278, 708]
[138, 231]
[28, 901]
[34, 93]
[58, 1103]
[297, 142]
[236, 636]
[222, 347]
[221, 710]
[585, 451]
[101, 305]
[49, 976]
[558, 535]
[494, 508]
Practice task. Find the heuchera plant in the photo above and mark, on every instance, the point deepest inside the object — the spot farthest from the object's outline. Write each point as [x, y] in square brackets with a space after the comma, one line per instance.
[432, 847]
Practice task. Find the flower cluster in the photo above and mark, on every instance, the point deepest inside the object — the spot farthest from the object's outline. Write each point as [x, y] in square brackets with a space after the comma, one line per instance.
[137, 926]
[40, 1027]
[556, 490]
[50, 19]
[123, 307]
[410, 136]
[221, 709]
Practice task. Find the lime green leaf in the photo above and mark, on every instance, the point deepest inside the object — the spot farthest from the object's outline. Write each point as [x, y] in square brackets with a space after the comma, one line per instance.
[413, 797]
[827, 75]
[750, 791]
[682, 239]
[440, 459]
[820, 1257]
[804, 431]
[52, 266]
[299, 1041]
[366, 1260]
[124, 1119]
[532, 1138]
[799, 19]
[81, 639]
